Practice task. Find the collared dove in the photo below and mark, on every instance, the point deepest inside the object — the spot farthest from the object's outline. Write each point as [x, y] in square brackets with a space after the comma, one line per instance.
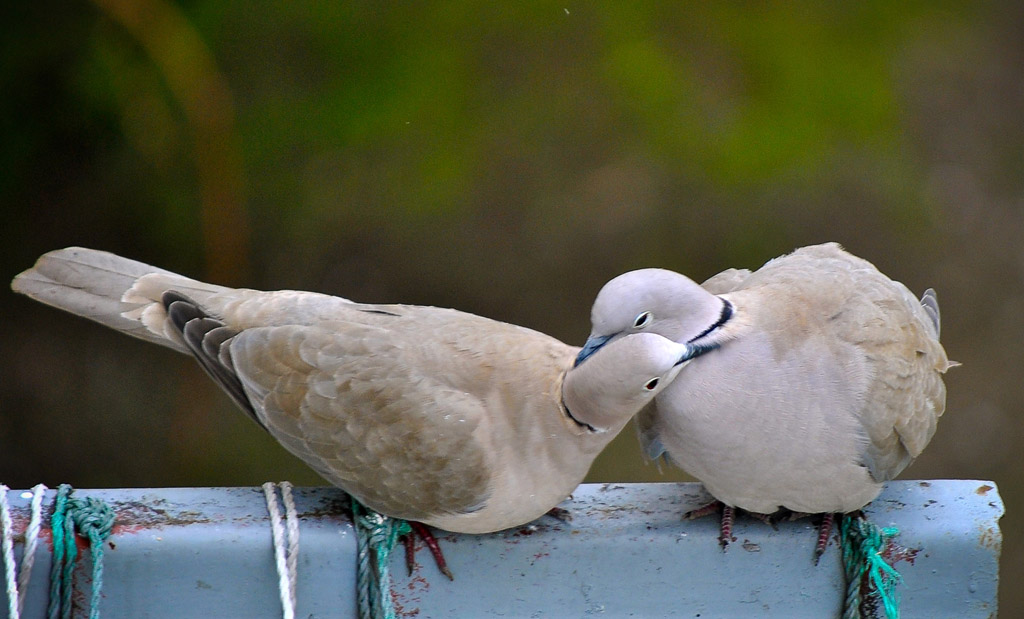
[421, 413]
[815, 379]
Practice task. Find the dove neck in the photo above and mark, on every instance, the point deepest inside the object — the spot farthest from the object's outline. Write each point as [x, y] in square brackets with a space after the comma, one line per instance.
[589, 402]
[581, 424]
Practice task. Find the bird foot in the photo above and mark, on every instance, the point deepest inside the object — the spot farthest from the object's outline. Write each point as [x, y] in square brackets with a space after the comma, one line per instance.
[769, 519]
[711, 508]
[420, 529]
[559, 513]
[728, 517]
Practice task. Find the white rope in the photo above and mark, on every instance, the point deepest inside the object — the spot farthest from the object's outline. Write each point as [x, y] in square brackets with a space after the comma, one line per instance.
[287, 560]
[8, 552]
[292, 519]
[16, 589]
[28, 557]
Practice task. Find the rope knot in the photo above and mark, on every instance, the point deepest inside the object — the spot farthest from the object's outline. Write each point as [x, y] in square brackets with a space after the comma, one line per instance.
[376, 535]
[92, 517]
[871, 581]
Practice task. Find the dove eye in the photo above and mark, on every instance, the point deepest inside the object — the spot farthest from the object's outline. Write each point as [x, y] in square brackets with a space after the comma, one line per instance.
[652, 384]
[642, 320]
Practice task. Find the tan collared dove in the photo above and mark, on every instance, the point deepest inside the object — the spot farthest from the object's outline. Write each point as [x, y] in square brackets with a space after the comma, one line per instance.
[421, 413]
[814, 379]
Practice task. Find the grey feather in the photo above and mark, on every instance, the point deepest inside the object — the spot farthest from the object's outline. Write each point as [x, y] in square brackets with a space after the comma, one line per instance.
[930, 303]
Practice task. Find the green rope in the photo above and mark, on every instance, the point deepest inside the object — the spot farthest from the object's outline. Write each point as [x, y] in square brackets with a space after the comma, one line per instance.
[870, 580]
[376, 536]
[93, 519]
[60, 569]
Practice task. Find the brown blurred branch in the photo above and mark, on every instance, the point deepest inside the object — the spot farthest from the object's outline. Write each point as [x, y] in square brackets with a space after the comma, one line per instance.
[196, 83]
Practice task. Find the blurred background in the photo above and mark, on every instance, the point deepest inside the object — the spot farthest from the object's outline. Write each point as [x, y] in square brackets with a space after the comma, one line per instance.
[505, 160]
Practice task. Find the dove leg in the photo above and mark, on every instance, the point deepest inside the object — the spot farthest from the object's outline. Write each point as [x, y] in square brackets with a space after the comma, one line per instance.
[410, 552]
[824, 533]
[725, 533]
[420, 529]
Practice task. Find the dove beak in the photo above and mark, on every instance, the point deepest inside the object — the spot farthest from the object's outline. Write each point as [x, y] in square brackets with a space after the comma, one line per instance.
[592, 346]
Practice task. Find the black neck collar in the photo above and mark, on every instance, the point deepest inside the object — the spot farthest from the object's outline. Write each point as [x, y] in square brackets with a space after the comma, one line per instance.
[723, 318]
[569, 414]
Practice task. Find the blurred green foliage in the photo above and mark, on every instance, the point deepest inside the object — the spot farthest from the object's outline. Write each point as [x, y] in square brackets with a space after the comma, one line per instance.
[502, 159]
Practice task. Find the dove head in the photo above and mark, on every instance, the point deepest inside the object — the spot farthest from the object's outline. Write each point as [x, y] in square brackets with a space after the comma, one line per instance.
[653, 301]
[620, 379]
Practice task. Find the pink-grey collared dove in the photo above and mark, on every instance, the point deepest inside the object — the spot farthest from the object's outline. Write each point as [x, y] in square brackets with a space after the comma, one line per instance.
[422, 413]
[813, 380]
